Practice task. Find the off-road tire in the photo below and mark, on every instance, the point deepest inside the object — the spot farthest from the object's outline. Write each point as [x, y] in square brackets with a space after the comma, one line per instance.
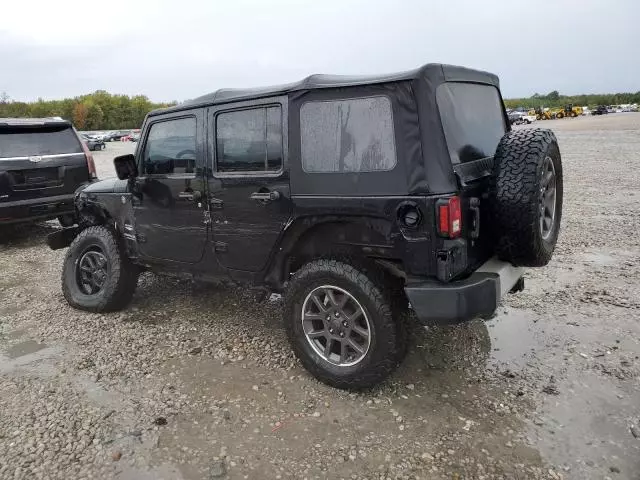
[387, 343]
[515, 196]
[122, 275]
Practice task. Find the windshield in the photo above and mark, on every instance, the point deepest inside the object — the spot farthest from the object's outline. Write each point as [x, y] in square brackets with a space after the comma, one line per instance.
[472, 118]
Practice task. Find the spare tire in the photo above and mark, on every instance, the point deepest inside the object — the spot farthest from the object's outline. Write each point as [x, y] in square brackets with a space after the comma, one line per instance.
[526, 197]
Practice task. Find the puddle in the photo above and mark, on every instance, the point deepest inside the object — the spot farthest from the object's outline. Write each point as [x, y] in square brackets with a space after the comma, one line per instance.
[599, 258]
[24, 348]
[513, 338]
[586, 427]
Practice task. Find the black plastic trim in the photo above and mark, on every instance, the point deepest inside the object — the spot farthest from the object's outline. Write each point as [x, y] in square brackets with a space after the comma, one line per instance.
[450, 303]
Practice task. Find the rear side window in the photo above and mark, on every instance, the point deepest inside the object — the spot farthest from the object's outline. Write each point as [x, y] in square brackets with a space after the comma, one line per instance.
[26, 142]
[353, 135]
[171, 147]
[249, 140]
[472, 118]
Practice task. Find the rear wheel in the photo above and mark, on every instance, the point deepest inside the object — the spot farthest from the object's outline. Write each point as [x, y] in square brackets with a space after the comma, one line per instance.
[527, 196]
[97, 276]
[341, 326]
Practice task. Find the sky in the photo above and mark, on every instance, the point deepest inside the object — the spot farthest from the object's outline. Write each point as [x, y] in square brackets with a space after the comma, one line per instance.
[176, 50]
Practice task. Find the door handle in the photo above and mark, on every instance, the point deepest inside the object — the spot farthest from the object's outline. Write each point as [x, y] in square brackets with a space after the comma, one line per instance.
[265, 196]
[194, 196]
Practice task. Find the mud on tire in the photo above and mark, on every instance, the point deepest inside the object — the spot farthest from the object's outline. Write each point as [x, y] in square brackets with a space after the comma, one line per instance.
[119, 279]
[519, 193]
[386, 347]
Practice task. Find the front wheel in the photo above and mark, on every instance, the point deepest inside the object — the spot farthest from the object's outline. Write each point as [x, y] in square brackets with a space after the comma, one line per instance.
[340, 325]
[97, 276]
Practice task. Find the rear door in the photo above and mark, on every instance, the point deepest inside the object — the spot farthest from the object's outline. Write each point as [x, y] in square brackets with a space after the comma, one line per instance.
[40, 161]
[473, 119]
[249, 191]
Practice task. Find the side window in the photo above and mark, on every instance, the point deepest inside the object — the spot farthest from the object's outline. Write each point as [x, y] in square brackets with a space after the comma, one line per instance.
[353, 135]
[249, 140]
[171, 147]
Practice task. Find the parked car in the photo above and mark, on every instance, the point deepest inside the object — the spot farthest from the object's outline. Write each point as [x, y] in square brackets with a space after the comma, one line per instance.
[520, 118]
[93, 143]
[359, 198]
[117, 135]
[106, 136]
[42, 163]
[600, 110]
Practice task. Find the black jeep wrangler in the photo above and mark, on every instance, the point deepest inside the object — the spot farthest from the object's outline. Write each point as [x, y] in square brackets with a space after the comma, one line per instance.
[358, 198]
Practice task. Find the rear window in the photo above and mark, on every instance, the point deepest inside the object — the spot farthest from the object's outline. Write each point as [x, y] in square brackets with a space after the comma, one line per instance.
[353, 135]
[25, 142]
[472, 118]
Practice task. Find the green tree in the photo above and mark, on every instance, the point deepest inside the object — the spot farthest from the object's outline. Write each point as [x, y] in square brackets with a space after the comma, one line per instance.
[98, 111]
[94, 116]
[553, 96]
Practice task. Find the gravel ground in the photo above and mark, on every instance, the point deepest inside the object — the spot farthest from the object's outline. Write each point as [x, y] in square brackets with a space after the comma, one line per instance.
[198, 382]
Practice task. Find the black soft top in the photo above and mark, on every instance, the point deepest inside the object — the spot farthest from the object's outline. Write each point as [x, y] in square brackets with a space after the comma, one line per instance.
[432, 72]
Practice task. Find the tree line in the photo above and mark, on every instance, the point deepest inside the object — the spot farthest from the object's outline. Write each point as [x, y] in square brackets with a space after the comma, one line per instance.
[103, 111]
[555, 99]
[97, 111]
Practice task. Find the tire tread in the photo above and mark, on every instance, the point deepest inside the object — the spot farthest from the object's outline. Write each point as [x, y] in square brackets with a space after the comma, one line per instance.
[387, 333]
[124, 273]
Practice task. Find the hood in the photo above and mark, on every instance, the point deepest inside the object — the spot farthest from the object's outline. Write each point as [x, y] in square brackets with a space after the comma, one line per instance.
[109, 185]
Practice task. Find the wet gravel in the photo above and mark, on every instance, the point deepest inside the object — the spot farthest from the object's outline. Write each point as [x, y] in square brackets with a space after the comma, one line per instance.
[198, 382]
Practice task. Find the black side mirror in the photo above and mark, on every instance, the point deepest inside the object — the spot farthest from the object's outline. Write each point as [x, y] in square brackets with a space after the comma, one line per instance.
[126, 167]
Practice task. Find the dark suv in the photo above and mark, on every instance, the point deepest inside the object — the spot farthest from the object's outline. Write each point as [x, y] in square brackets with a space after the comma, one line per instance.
[360, 199]
[42, 163]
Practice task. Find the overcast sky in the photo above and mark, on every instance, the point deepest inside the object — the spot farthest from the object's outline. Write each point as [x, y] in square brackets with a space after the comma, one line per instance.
[175, 50]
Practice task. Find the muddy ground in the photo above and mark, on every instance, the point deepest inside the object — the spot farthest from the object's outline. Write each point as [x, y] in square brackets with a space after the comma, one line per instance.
[194, 382]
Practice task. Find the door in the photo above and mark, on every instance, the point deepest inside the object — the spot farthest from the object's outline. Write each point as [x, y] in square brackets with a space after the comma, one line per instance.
[168, 194]
[249, 188]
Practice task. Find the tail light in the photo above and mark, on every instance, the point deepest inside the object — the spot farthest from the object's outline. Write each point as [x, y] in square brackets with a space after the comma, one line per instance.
[90, 163]
[449, 217]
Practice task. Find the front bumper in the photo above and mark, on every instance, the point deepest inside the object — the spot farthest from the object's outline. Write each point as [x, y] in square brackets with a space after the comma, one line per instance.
[476, 296]
[36, 209]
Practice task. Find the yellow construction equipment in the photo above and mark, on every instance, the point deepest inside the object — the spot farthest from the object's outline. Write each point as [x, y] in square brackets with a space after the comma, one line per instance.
[541, 113]
[569, 111]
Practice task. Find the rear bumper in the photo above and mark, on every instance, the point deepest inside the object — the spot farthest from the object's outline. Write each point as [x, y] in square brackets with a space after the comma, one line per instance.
[476, 296]
[42, 208]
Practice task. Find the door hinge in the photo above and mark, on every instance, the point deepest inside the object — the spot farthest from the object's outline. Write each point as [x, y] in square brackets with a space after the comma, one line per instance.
[207, 217]
[219, 247]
